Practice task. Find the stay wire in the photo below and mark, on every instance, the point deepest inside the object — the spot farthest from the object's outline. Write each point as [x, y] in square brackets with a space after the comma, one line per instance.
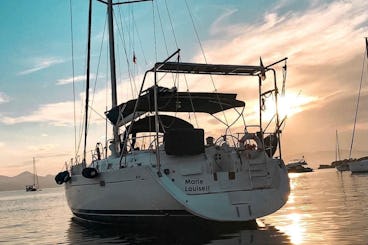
[133, 87]
[73, 75]
[205, 59]
[154, 31]
[171, 25]
[162, 29]
[97, 74]
[357, 107]
[164, 38]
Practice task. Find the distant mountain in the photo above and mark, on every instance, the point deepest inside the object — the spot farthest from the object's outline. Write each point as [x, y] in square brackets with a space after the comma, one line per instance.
[20, 181]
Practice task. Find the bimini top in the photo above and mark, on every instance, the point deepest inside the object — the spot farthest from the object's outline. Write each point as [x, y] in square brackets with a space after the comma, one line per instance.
[170, 100]
[211, 69]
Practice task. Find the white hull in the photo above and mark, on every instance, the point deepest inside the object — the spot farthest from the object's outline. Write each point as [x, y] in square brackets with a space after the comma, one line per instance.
[190, 187]
[358, 166]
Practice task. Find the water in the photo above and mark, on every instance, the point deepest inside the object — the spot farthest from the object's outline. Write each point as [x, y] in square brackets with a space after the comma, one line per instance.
[324, 207]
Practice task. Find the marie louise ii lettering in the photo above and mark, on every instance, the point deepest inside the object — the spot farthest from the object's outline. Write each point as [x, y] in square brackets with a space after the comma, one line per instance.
[195, 186]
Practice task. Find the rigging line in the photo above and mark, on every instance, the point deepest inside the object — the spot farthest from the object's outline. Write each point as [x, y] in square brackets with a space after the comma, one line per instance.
[357, 107]
[97, 72]
[154, 30]
[162, 29]
[191, 101]
[164, 37]
[242, 115]
[239, 116]
[176, 79]
[196, 32]
[171, 24]
[82, 112]
[73, 72]
[124, 43]
[140, 43]
[121, 35]
[135, 72]
[204, 56]
[132, 43]
[97, 113]
[94, 86]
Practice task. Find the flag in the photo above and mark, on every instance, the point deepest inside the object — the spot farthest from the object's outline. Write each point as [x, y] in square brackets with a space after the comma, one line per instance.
[134, 58]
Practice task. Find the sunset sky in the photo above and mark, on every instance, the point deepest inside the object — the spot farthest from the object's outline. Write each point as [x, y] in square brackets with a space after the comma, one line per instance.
[323, 40]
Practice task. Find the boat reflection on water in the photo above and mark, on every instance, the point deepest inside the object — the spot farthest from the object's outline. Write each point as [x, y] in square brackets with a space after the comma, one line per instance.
[323, 207]
[190, 232]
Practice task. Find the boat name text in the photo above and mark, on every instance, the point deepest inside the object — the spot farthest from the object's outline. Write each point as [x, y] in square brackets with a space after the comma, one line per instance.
[195, 186]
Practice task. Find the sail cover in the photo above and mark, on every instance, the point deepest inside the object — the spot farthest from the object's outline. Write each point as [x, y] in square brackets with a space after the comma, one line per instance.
[169, 100]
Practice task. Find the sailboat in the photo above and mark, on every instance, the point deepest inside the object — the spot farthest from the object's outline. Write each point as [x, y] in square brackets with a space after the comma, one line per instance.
[35, 185]
[340, 165]
[358, 165]
[235, 178]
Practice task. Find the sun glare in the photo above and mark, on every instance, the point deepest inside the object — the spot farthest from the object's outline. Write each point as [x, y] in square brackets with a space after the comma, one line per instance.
[289, 105]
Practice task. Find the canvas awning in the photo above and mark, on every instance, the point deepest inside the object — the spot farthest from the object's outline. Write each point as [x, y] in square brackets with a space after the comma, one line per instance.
[211, 69]
[166, 123]
[173, 101]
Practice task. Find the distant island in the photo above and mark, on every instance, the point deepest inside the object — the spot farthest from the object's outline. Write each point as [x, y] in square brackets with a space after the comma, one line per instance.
[26, 178]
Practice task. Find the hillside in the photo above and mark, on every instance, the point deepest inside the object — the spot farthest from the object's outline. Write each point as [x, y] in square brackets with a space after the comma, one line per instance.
[314, 159]
[26, 178]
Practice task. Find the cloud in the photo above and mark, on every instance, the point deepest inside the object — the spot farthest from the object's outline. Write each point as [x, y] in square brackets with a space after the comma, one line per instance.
[320, 42]
[325, 47]
[79, 78]
[217, 27]
[2, 144]
[42, 148]
[70, 80]
[56, 114]
[62, 113]
[4, 98]
[318, 36]
[42, 63]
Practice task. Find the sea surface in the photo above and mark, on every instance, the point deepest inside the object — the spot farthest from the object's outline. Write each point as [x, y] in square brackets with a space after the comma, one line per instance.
[324, 207]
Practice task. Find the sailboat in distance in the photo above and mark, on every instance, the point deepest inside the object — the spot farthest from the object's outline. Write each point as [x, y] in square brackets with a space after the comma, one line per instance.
[35, 186]
[340, 165]
[359, 165]
[183, 172]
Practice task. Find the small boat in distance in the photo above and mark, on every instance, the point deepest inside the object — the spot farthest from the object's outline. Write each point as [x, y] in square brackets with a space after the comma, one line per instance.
[298, 166]
[35, 185]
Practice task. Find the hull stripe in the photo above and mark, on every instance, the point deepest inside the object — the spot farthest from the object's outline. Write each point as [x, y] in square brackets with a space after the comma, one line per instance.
[133, 212]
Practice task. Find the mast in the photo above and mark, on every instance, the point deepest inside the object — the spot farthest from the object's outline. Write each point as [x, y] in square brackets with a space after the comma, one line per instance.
[34, 172]
[87, 80]
[112, 67]
[337, 150]
[358, 100]
[35, 176]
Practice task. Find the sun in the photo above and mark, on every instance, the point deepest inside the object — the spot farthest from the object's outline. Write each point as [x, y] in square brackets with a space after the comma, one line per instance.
[288, 105]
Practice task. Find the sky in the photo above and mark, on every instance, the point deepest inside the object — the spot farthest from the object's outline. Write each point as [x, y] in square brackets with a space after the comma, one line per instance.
[323, 40]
